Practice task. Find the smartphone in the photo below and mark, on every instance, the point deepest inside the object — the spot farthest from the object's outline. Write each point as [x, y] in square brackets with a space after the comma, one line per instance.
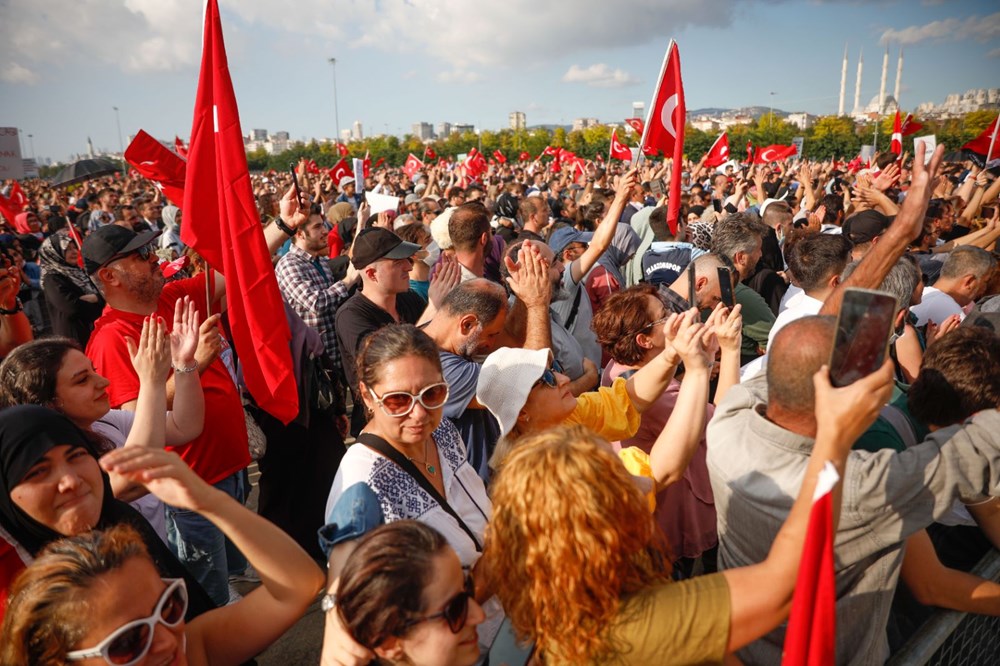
[862, 338]
[656, 187]
[726, 287]
[692, 286]
[986, 212]
[295, 182]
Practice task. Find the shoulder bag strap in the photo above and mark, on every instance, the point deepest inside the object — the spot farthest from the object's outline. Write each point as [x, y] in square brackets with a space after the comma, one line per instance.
[383, 447]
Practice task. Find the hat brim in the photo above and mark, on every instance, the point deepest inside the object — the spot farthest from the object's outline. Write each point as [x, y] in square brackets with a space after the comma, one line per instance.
[140, 240]
[404, 250]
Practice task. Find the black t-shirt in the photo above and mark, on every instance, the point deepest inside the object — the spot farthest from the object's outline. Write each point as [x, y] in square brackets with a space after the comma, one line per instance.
[358, 317]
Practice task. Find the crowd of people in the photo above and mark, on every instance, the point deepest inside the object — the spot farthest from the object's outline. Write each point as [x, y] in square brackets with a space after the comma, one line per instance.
[537, 416]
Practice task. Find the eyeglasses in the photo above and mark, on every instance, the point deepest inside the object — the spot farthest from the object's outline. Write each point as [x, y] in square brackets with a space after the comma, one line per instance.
[456, 611]
[144, 253]
[129, 643]
[548, 375]
[653, 324]
[400, 403]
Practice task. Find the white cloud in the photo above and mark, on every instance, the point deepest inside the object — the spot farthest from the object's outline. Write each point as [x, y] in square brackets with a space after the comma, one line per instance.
[599, 75]
[460, 76]
[162, 35]
[15, 73]
[995, 53]
[977, 28]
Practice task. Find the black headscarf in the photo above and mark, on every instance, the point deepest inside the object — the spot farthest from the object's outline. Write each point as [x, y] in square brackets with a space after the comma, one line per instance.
[28, 432]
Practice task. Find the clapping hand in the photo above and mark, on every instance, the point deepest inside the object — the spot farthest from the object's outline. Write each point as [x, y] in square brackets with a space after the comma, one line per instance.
[184, 336]
[151, 354]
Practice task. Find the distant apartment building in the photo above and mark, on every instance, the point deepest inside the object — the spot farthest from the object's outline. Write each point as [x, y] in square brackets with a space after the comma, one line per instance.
[584, 123]
[423, 131]
[517, 120]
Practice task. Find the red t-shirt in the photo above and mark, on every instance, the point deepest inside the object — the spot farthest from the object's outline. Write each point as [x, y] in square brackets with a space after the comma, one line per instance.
[11, 564]
[221, 449]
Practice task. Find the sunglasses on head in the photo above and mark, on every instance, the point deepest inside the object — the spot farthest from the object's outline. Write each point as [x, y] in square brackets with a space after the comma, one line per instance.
[400, 403]
[131, 642]
[548, 375]
[456, 611]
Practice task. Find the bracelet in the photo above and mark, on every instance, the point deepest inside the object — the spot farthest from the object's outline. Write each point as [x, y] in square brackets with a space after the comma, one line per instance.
[18, 307]
[284, 227]
[182, 371]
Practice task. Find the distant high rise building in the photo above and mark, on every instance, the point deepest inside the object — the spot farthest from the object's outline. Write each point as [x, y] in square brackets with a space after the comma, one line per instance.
[459, 128]
[517, 121]
[638, 109]
[280, 136]
[90, 148]
[345, 135]
[258, 135]
[443, 129]
[584, 123]
[357, 132]
[423, 131]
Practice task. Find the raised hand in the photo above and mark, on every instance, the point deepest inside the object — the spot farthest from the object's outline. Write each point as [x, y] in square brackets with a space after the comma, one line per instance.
[163, 473]
[446, 278]
[728, 326]
[291, 210]
[529, 277]
[209, 342]
[887, 177]
[689, 341]
[184, 336]
[151, 354]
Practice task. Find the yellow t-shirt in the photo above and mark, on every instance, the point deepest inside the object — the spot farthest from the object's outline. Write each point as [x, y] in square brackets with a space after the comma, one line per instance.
[673, 624]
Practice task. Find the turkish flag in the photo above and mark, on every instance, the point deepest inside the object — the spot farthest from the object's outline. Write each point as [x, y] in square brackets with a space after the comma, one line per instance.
[501, 158]
[774, 153]
[910, 126]
[812, 625]
[475, 163]
[718, 154]
[74, 233]
[412, 166]
[619, 151]
[665, 127]
[162, 166]
[550, 151]
[636, 124]
[379, 162]
[311, 166]
[179, 146]
[222, 224]
[565, 155]
[342, 150]
[429, 153]
[339, 170]
[524, 156]
[854, 165]
[366, 167]
[555, 167]
[896, 144]
[8, 209]
[18, 198]
[985, 144]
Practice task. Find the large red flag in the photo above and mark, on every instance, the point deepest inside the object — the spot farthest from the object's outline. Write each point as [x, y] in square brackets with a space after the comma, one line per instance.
[18, 198]
[221, 222]
[158, 164]
[8, 209]
[665, 126]
[412, 166]
[524, 156]
[774, 153]
[718, 154]
[339, 170]
[342, 150]
[636, 124]
[550, 151]
[179, 146]
[812, 626]
[618, 151]
[501, 158]
[366, 164]
[896, 144]
[429, 153]
[984, 144]
[910, 126]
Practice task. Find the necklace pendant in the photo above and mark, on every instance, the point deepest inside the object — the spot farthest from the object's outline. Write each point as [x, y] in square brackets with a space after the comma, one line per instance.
[430, 469]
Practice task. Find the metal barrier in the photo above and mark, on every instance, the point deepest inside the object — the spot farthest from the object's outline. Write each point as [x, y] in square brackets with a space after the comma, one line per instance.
[951, 638]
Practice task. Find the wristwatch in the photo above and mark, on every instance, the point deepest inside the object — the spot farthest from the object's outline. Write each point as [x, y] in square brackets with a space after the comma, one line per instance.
[328, 602]
[284, 227]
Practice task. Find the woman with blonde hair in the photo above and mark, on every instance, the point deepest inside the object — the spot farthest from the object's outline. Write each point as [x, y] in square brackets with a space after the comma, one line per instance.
[592, 579]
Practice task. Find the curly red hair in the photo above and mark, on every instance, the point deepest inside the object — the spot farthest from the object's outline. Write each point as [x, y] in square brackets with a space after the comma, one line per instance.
[575, 533]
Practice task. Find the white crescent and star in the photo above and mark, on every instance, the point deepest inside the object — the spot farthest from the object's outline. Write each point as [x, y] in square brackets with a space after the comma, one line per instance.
[667, 114]
[764, 155]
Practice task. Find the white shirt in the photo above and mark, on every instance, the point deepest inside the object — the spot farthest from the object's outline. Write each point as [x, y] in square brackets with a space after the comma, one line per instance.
[798, 306]
[936, 306]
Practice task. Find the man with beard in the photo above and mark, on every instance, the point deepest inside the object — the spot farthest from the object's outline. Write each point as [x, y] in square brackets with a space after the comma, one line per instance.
[308, 286]
[124, 267]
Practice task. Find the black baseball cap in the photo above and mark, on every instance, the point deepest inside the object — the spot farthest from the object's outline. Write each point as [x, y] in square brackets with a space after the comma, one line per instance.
[865, 226]
[377, 243]
[112, 242]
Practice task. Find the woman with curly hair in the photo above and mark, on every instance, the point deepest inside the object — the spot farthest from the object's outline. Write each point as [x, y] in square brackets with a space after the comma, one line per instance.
[592, 580]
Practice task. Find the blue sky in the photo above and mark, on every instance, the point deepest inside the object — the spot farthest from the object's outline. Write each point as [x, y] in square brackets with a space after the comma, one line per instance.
[65, 63]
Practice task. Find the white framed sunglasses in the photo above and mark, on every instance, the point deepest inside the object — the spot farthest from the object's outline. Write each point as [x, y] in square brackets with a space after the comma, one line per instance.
[129, 643]
[400, 403]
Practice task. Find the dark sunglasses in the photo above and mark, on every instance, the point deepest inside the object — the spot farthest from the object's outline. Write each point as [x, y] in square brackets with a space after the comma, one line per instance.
[144, 253]
[456, 611]
[548, 375]
[131, 642]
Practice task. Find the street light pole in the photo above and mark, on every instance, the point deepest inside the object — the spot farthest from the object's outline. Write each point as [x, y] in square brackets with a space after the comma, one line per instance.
[336, 111]
[118, 120]
[31, 141]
